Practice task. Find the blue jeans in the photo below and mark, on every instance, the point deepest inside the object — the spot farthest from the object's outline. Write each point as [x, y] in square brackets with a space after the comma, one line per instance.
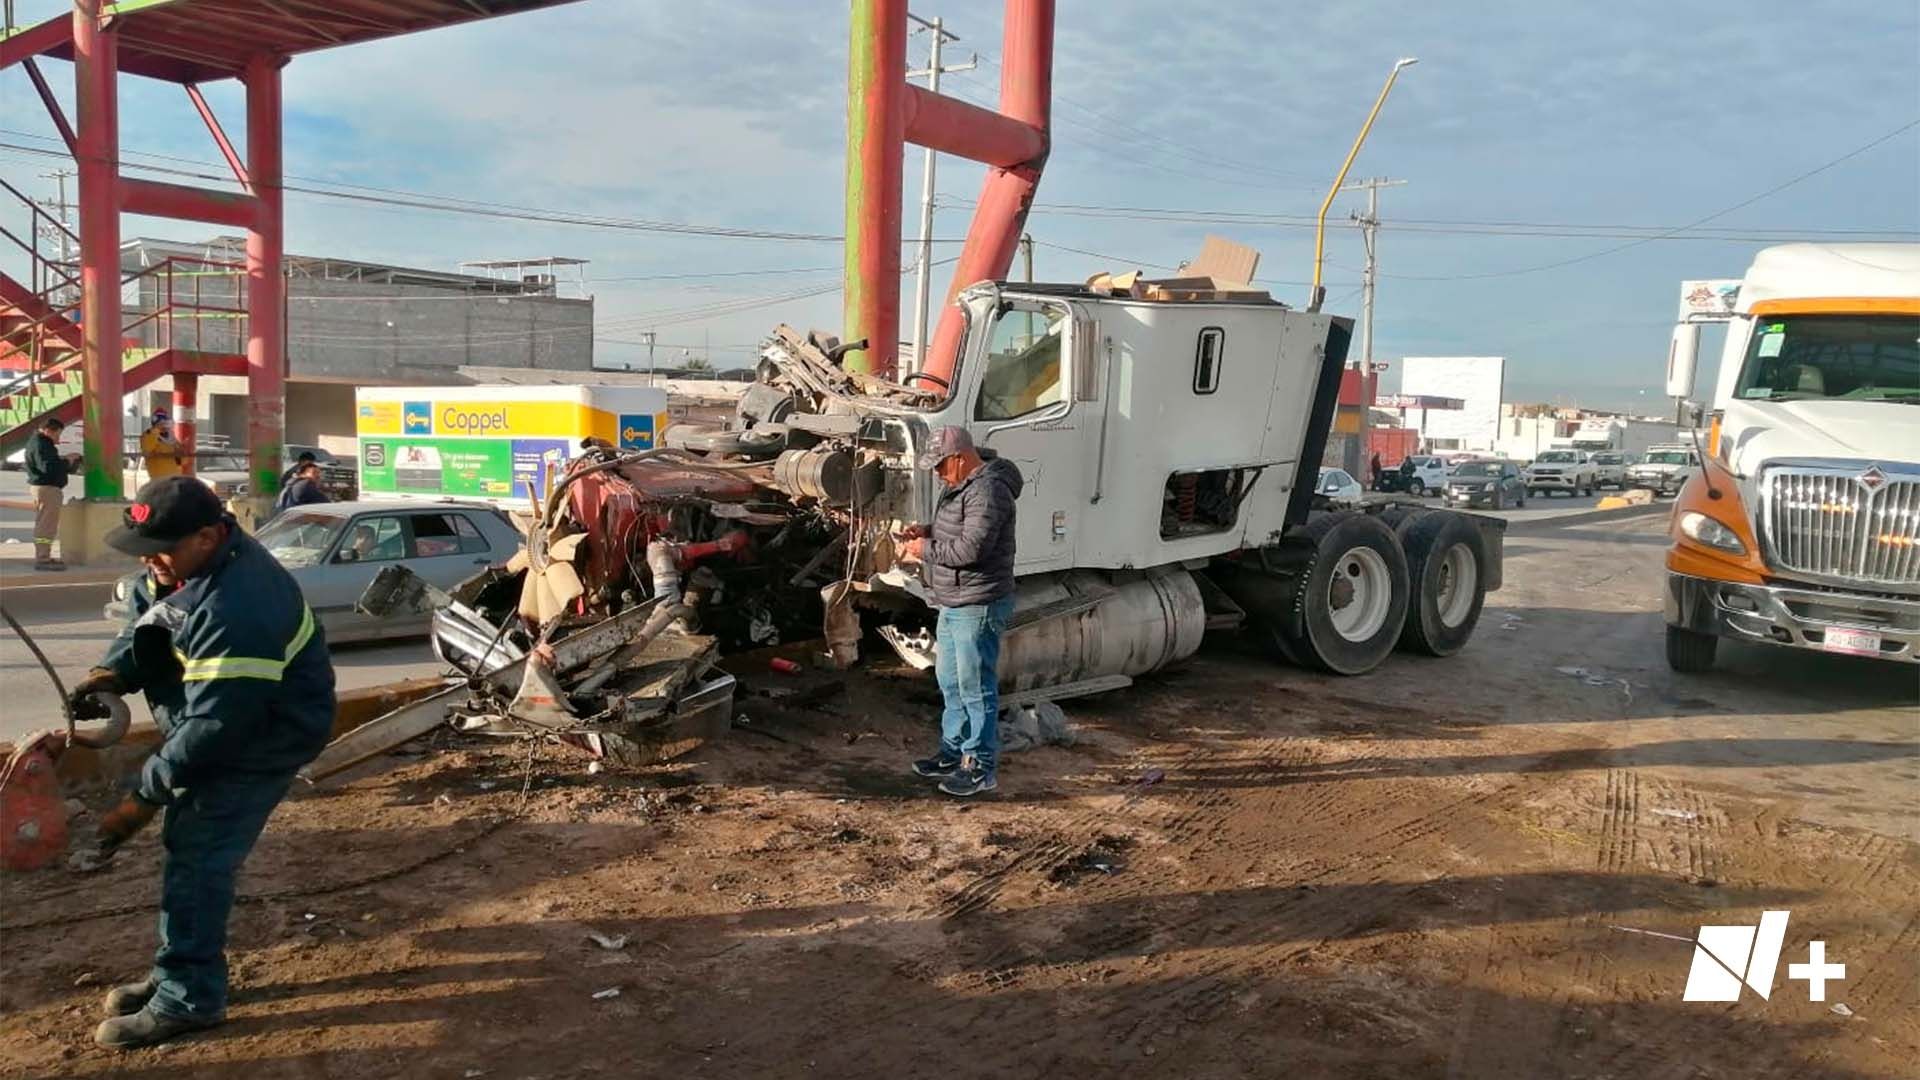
[207, 834]
[968, 667]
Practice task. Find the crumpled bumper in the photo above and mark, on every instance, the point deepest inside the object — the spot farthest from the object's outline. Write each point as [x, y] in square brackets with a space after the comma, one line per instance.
[1795, 617]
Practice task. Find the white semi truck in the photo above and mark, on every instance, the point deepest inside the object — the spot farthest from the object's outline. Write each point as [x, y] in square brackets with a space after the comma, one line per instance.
[1802, 525]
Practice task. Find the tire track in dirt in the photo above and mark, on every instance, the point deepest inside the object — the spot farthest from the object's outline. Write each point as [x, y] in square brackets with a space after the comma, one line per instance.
[1619, 828]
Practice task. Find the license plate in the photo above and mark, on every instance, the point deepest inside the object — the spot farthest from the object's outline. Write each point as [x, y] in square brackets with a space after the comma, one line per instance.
[1855, 642]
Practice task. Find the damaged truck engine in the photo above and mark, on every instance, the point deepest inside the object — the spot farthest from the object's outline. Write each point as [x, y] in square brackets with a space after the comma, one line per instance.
[1169, 435]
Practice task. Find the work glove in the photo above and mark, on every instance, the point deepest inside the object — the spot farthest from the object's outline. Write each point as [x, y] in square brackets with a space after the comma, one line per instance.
[81, 701]
[124, 820]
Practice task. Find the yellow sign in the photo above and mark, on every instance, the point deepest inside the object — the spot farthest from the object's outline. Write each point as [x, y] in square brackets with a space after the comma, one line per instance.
[379, 418]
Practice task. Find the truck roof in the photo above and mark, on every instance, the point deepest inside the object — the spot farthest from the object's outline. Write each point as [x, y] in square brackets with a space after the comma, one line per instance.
[1832, 271]
[1077, 291]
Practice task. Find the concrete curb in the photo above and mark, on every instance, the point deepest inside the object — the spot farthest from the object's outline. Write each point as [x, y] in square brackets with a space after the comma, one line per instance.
[1589, 516]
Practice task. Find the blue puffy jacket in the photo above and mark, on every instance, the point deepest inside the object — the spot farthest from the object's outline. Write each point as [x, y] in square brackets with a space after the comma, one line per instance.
[234, 667]
[969, 557]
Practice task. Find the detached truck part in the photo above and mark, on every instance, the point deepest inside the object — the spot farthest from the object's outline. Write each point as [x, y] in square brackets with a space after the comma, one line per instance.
[1801, 527]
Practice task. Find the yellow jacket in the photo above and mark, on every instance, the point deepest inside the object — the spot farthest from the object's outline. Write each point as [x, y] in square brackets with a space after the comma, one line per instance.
[162, 454]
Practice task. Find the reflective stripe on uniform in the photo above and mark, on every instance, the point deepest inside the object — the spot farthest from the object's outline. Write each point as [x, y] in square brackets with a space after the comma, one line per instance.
[248, 667]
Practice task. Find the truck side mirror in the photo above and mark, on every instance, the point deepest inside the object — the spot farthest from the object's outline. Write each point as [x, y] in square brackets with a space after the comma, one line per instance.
[1692, 414]
[1681, 356]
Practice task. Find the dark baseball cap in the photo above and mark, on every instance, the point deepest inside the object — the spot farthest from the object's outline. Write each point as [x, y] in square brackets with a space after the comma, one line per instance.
[946, 442]
[165, 512]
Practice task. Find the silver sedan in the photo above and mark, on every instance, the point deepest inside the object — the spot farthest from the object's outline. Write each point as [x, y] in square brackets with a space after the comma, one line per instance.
[334, 550]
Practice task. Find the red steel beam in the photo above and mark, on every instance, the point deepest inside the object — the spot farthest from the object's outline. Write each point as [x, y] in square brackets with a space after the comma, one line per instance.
[97, 104]
[219, 135]
[266, 280]
[159, 199]
[54, 112]
[956, 127]
[1000, 214]
[34, 40]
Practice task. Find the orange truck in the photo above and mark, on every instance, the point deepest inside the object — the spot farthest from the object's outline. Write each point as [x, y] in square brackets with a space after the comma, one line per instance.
[1801, 527]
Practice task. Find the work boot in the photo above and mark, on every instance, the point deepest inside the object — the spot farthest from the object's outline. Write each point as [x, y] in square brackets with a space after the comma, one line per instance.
[49, 565]
[938, 765]
[146, 1027]
[130, 998]
[969, 780]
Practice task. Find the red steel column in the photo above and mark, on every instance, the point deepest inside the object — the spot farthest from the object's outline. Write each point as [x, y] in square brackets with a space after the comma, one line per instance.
[876, 126]
[266, 282]
[186, 398]
[1000, 214]
[95, 74]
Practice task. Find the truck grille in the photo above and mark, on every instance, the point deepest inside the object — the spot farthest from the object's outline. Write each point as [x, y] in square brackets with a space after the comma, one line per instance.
[1859, 525]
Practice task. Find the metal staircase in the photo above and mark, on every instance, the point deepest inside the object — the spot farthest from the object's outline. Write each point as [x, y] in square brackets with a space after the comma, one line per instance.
[165, 331]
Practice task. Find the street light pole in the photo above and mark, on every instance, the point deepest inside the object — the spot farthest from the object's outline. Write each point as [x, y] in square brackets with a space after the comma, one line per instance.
[923, 262]
[1317, 295]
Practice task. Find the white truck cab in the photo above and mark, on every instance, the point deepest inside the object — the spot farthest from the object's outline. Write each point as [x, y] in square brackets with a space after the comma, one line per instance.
[1802, 525]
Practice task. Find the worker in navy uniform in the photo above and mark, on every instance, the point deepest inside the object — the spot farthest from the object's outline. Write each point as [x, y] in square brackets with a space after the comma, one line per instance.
[238, 676]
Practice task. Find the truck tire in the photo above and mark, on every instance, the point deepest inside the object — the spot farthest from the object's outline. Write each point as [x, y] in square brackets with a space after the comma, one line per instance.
[1346, 611]
[1446, 564]
[1417, 488]
[1689, 651]
[1400, 519]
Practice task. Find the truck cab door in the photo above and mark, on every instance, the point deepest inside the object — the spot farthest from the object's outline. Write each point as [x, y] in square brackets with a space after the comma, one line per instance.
[1019, 402]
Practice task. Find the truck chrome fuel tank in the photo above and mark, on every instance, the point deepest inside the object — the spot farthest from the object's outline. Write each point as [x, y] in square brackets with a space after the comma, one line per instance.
[1085, 625]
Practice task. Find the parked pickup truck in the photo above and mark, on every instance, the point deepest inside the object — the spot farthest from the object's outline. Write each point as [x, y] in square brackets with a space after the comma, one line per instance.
[1666, 469]
[1610, 468]
[1561, 470]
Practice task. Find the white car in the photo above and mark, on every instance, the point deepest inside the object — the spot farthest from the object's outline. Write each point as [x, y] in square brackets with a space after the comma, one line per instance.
[1610, 468]
[1340, 488]
[1561, 470]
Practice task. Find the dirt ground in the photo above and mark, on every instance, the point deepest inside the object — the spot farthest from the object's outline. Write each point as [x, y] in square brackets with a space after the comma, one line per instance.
[1240, 869]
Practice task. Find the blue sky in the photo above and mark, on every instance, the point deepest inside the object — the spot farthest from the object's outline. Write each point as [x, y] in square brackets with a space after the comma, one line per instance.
[734, 114]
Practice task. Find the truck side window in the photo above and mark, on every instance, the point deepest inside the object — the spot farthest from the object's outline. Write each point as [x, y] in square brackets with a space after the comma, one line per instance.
[1206, 360]
[1023, 364]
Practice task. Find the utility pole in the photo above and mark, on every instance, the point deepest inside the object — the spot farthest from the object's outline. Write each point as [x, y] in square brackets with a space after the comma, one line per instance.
[1369, 229]
[60, 236]
[649, 335]
[1026, 249]
[923, 262]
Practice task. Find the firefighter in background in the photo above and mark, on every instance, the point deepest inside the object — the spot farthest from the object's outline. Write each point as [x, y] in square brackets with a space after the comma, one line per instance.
[158, 449]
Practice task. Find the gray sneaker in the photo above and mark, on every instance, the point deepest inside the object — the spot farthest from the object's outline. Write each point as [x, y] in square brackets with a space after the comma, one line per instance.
[129, 999]
[146, 1027]
[969, 781]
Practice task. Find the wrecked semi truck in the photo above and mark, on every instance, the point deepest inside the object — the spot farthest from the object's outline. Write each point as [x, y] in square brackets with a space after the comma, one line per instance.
[1169, 439]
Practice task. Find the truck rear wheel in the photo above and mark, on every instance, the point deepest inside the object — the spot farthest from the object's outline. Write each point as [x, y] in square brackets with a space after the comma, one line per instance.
[1690, 651]
[1347, 609]
[1446, 562]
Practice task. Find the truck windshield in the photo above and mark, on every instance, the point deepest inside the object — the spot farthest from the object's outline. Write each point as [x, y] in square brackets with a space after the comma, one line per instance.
[1809, 357]
[1023, 364]
[1669, 457]
[1556, 456]
[1607, 459]
[1477, 468]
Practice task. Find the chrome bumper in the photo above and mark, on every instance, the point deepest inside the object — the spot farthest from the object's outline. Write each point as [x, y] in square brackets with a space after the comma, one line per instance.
[1783, 615]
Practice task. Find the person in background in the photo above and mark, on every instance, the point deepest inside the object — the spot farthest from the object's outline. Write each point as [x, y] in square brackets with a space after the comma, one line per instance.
[306, 458]
[305, 488]
[47, 473]
[158, 449]
[967, 563]
[1377, 469]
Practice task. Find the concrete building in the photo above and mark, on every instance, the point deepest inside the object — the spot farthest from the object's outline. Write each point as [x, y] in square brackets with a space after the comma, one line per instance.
[350, 323]
[1479, 382]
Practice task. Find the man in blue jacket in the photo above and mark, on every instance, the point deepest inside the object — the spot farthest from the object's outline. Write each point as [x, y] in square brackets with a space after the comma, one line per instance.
[967, 564]
[238, 676]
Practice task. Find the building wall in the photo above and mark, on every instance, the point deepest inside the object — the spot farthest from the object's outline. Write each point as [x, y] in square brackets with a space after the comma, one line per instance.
[373, 333]
[1478, 381]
